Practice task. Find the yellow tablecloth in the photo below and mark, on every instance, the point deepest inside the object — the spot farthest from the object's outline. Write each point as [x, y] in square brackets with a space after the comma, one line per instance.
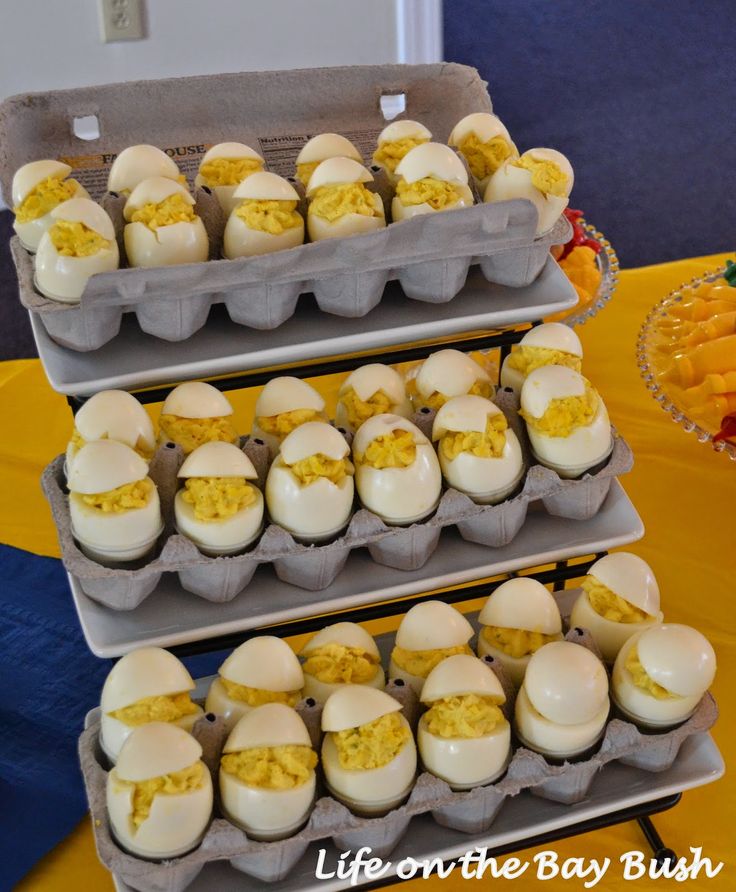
[684, 492]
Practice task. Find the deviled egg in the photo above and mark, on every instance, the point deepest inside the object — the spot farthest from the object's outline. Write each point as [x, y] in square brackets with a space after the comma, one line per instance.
[224, 167]
[162, 228]
[310, 488]
[318, 149]
[264, 217]
[661, 674]
[430, 178]
[397, 473]
[428, 634]
[138, 163]
[267, 779]
[485, 144]
[479, 454]
[562, 706]
[518, 618]
[395, 140]
[112, 415]
[445, 374]
[551, 343]
[113, 503]
[566, 420]
[195, 413]
[79, 243]
[282, 405]
[262, 670]
[372, 389]
[340, 654]
[369, 757]
[620, 598]
[146, 685]
[218, 509]
[543, 176]
[340, 204]
[38, 188]
[464, 737]
[159, 795]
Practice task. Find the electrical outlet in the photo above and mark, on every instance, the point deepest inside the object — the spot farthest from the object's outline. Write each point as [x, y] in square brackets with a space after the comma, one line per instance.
[121, 20]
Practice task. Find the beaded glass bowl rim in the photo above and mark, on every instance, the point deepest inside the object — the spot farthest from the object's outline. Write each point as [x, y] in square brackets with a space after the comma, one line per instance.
[608, 265]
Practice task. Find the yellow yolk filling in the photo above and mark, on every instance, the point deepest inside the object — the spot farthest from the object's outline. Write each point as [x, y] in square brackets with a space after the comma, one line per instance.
[339, 664]
[310, 469]
[335, 201]
[388, 154]
[192, 432]
[394, 450]
[642, 680]
[177, 782]
[371, 745]
[609, 605]
[515, 643]
[78, 441]
[437, 400]
[487, 444]
[484, 158]
[546, 175]
[217, 498]
[258, 696]
[305, 170]
[74, 239]
[438, 194]
[273, 217]
[127, 497]
[422, 662]
[44, 197]
[228, 171]
[359, 410]
[174, 209]
[163, 708]
[564, 415]
[284, 423]
[272, 767]
[466, 716]
[525, 359]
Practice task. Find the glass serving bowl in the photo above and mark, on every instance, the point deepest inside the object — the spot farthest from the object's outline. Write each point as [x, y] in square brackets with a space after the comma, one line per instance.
[609, 268]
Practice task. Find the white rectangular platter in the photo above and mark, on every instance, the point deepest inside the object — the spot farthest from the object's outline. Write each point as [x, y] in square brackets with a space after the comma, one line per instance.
[171, 616]
[134, 359]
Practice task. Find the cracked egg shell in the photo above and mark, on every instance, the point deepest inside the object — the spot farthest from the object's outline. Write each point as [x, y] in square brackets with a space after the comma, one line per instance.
[218, 459]
[354, 705]
[448, 372]
[242, 241]
[368, 380]
[113, 415]
[462, 674]
[348, 635]
[146, 672]
[404, 129]
[103, 465]
[327, 145]
[334, 172]
[486, 127]
[283, 394]
[26, 179]
[549, 335]
[138, 163]
[225, 194]
[196, 399]
[431, 159]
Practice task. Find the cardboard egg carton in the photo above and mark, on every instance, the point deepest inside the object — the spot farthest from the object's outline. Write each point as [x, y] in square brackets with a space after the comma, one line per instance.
[472, 811]
[275, 113]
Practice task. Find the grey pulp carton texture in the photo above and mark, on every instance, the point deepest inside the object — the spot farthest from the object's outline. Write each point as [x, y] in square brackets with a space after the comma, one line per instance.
[275, 113]
[472, 811]
[315, 567]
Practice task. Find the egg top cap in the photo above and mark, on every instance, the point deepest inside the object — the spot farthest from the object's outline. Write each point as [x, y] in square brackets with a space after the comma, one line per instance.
[30, 175]
[463, 413]
[566, 683]
[677, 657]
[327, 145]
[354, 705]
[312, 438]
[432, 159]
[369, 379]
[405, 129]
[230, 150]
[285, 394]
[347, 634]
[273, 724]
[154, 190]
[629, 577]
[380, 426]
[485, 126]
[432, 625]
[155, 749]
[87, 212]
[147, 672]
[335, 171]
[450, 373]
[266, 186]
[547, 383]
[554, 336]
[117, 415]
[218, 459]
[522, 604]
[103, 465]
[541, 154]
[462, 674]
[137, 163]
[265, 662]
[196, 399]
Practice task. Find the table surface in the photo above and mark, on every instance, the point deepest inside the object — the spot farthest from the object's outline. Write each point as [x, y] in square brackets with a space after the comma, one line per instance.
[682, 490]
